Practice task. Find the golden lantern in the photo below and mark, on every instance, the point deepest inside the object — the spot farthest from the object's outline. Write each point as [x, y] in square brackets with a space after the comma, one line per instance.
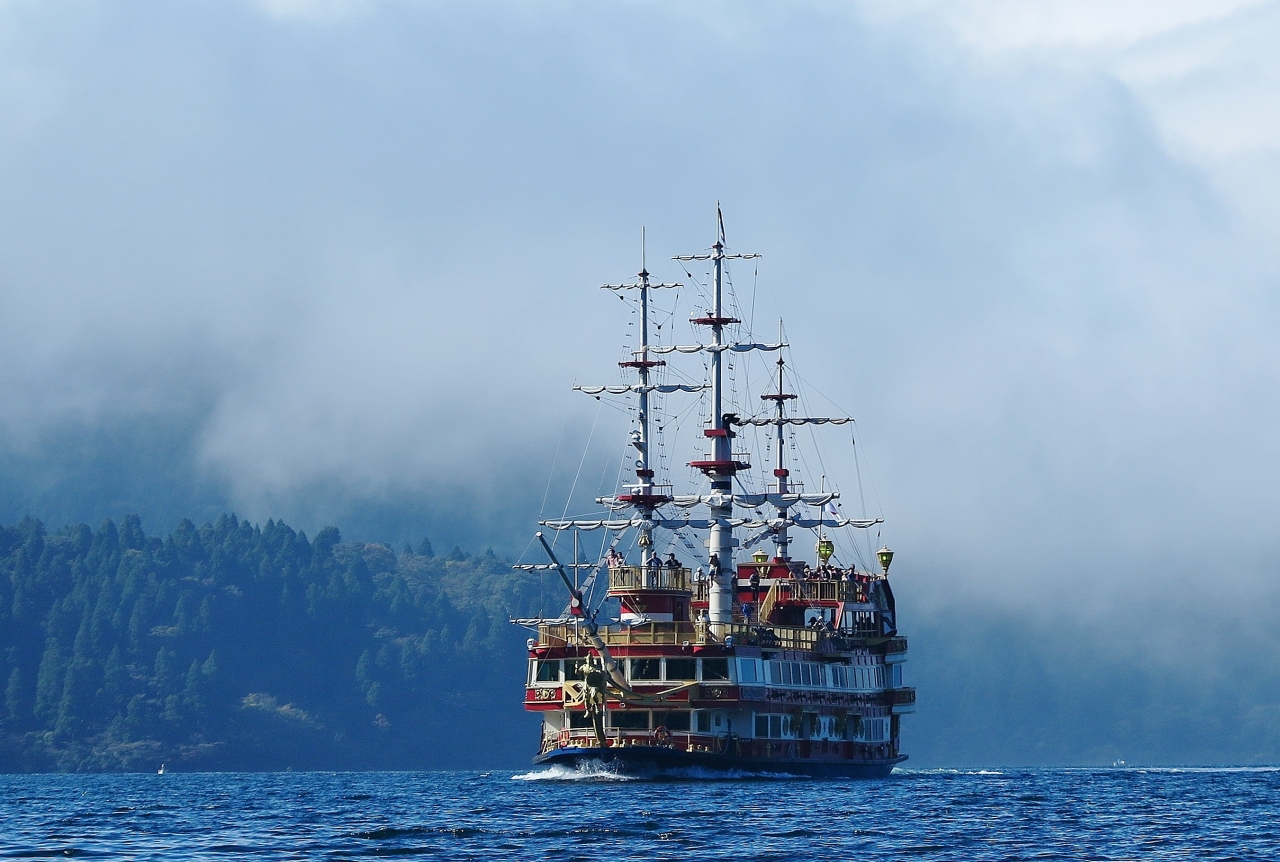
[886, 557]
[826, 548]
[760, 556]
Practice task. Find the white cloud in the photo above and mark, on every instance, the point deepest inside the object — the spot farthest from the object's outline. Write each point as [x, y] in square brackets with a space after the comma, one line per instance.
[1030, 253]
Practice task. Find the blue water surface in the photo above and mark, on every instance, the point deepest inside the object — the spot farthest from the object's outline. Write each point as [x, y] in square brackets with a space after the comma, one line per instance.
[549, 814]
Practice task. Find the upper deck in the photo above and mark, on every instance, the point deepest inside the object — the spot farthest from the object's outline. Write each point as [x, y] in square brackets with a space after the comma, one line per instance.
[773, 609]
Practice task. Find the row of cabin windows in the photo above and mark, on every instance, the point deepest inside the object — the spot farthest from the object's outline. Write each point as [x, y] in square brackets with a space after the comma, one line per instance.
[701, 721]
[750, 670]
[640, 669]
[678, 669]
[854, 728]
[814, 674]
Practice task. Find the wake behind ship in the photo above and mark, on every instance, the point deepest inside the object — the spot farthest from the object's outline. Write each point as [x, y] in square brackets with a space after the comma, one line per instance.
[774, 663]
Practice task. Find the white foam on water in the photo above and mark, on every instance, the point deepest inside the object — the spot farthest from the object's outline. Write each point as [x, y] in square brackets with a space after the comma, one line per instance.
[898, 770]
[596, 770]
[592, 770]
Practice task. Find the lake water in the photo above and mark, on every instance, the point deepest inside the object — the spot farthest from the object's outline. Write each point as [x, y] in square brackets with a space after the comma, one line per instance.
[928, 814]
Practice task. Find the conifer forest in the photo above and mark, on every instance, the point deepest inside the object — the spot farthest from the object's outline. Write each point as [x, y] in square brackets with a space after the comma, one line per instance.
[237, 646]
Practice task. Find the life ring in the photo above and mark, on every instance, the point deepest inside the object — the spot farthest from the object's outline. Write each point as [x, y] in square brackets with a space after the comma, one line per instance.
[661, 735]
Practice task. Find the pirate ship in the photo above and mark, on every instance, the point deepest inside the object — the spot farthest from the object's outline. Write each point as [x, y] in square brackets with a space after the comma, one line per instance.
[771, 663]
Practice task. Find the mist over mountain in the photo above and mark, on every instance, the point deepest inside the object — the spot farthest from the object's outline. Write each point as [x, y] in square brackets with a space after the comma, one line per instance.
[336, 263]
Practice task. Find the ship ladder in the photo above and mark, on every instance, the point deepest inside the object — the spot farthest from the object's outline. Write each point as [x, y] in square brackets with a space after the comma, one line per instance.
[770, 599]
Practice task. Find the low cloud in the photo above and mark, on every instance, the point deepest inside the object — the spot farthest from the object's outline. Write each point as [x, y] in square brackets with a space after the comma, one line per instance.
[1031, 251]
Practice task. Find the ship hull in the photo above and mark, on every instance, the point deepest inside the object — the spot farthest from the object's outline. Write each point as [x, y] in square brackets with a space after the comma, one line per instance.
[657, 760]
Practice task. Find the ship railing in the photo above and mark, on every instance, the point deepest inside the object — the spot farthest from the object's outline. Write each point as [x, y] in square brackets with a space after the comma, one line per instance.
[702, 632]
[556, 634]
[811, 590]
[617, 738]
[702, 589]
[629, 578]
[797, 590]
[777, 637]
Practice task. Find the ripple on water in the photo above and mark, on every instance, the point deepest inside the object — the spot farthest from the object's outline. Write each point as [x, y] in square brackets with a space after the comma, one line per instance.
[556, 813]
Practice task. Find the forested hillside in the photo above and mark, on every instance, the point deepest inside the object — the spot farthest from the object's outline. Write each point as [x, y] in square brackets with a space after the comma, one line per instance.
[234, 646]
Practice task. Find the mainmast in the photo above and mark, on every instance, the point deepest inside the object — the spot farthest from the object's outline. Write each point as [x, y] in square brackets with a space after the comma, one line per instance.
[721, 466]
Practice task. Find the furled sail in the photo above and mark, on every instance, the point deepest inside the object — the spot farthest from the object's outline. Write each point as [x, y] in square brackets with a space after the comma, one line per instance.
[713, 348]
[796, 420]
[752, 501]
[705, 523]
[623, 388]
[749, 501]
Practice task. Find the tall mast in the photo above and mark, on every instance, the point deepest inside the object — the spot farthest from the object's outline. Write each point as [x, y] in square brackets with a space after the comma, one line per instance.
[781, 540]
[721, 466]
[720, 538]
[643, 494]
[644, 472]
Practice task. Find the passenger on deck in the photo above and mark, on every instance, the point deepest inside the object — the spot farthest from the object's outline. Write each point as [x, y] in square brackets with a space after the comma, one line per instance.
[672, 562]
[699, 576]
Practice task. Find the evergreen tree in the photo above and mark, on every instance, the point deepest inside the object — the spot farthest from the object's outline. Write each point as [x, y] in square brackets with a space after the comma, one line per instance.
[229, 645]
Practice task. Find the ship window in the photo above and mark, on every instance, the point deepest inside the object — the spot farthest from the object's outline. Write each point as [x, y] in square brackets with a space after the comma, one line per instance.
[788, 725]
[775, 672]
[715, 668]
[718, 719]
[548, 671]
[682, 668]
[674, 720]
[746, 670]
[897, 675]
[573, 668]
[762, 725]
[704, 722]
[630, 719]
[775, 726]
[646, 668]
[874, 729]
[839, 676]
[579, 720]
[806, 674]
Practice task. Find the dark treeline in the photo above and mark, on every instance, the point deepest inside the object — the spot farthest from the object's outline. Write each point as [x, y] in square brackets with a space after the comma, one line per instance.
[234, 646]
